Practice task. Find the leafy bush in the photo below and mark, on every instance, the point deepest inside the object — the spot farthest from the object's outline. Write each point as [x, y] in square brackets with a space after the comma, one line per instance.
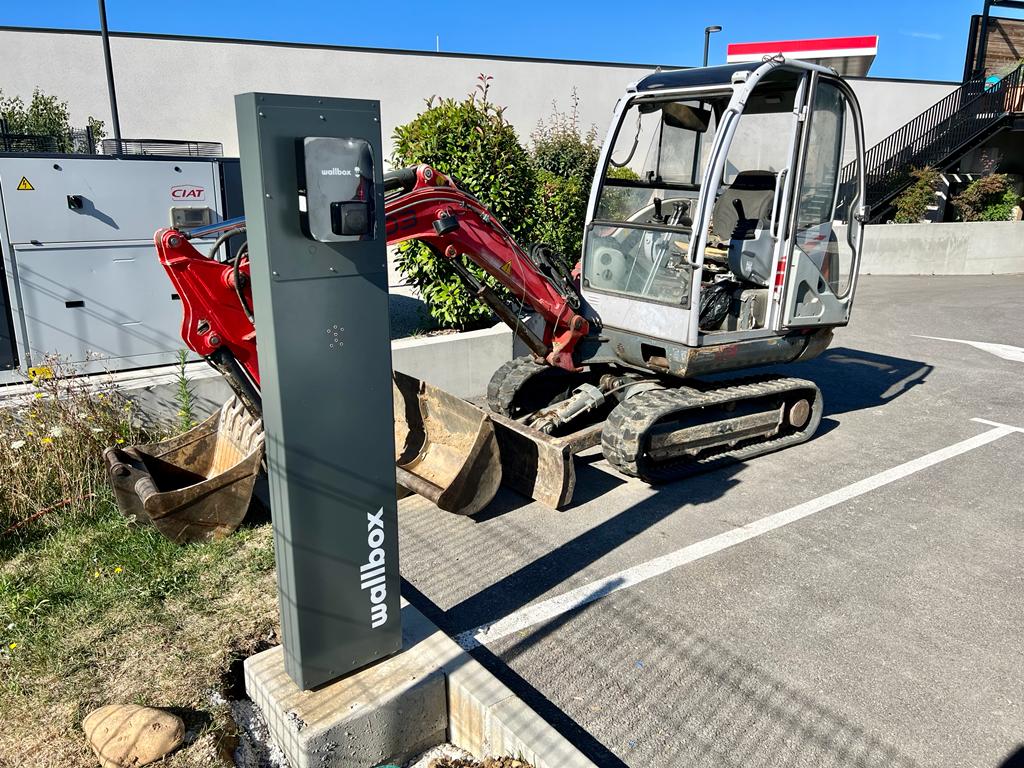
[44, 116]
[566, 161]
[912, 204]
[471, 141]
[990, 198]
[559, 147]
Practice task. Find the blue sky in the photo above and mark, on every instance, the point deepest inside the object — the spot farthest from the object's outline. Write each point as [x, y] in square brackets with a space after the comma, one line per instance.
[918, 38]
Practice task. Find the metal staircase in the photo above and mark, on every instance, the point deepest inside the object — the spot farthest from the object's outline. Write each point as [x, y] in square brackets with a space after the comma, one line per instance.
[937, 137]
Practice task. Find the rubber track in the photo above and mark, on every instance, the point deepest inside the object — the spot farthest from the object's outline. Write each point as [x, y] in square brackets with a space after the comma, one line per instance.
[508, 380]
[623, 437]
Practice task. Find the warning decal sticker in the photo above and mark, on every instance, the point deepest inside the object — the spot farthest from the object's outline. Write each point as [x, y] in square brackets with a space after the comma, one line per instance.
[25, 185]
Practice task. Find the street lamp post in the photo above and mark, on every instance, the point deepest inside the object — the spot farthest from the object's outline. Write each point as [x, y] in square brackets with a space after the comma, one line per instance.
[105, 35]
[707, 39]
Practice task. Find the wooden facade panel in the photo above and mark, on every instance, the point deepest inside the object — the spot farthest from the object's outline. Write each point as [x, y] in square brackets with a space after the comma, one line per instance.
[1004, 46]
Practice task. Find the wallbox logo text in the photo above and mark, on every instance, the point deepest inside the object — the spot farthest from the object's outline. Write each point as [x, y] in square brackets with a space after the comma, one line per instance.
[371, 573]
[336, 171]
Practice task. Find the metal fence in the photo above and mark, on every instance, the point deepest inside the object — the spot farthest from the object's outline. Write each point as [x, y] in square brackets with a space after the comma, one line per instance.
[84, 142]
[76, 141]
[163, 147]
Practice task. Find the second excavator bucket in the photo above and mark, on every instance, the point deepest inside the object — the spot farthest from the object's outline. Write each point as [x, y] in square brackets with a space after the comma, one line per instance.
[446, 449]
[197, 485]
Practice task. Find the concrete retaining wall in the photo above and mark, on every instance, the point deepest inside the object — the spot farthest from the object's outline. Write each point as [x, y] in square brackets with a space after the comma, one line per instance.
[975, 248]
[461, 363]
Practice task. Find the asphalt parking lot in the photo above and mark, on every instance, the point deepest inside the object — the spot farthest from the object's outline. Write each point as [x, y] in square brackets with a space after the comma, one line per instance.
[855, 600]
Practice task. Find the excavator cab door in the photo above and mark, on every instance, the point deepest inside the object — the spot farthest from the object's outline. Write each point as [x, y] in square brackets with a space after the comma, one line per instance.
[819, 256]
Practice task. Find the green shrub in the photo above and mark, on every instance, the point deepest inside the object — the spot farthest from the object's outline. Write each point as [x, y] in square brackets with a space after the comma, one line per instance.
[43, 115]
[990, 198]
[471, 141]
[566, 160]
[559, 147]
[912, 203]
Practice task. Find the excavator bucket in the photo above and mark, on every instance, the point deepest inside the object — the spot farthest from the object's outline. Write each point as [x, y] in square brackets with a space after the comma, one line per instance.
[446, 447]
[197, 485]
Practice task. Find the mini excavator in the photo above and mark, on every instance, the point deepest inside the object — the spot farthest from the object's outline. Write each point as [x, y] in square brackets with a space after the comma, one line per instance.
[710, 246]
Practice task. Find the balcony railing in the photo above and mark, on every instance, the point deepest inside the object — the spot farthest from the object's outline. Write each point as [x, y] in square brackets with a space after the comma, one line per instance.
[936, 136]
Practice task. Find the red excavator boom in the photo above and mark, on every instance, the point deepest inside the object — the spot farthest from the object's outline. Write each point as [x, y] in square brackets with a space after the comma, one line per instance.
[424, 205]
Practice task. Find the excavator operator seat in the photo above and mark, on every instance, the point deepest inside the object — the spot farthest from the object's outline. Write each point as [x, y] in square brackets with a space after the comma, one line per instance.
[741, 218]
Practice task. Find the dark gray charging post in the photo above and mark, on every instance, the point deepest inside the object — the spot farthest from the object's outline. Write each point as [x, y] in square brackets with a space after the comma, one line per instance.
[312, 179]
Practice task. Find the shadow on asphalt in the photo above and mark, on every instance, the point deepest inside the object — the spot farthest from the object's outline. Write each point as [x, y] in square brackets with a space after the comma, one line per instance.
[730, 710]
[850, 380]
[579, 736]
[563, 562]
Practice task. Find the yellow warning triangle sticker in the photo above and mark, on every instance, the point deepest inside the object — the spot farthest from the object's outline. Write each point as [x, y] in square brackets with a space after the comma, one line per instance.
[25, 185]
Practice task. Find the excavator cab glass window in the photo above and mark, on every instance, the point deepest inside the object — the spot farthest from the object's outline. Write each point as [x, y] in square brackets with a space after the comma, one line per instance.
[638, 241]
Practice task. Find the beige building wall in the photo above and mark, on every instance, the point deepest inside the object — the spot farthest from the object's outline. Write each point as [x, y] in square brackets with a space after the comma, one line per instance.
[178, 88]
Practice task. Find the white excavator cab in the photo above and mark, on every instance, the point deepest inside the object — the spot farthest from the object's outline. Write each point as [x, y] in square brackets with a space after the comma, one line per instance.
[716, 216]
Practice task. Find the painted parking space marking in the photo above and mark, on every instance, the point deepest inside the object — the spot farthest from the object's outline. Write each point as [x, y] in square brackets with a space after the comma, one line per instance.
[1005, 351]
[595, 590]
[999, 424]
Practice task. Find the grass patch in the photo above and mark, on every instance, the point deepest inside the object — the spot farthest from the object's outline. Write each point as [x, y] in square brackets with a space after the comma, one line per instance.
[97, 610]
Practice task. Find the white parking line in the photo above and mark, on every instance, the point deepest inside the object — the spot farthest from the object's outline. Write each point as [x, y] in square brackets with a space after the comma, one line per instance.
[999, 424]
[595, 590]
[1005, 351]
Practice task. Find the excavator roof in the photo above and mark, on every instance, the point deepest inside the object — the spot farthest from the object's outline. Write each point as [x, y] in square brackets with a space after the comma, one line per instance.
[697, 76]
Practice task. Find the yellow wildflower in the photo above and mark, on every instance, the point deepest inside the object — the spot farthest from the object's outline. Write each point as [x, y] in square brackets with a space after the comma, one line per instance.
[12, 646]
[100, 396]
[95, 574]
[119, 440]
[118, 569]
[46, 440]
[38, 395]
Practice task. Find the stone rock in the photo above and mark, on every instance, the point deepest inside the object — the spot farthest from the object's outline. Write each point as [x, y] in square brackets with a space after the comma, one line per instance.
[128, 736]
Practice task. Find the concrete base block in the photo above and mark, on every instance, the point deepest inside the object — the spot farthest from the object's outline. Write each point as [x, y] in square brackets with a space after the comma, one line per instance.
[386, 713]
[401, 706]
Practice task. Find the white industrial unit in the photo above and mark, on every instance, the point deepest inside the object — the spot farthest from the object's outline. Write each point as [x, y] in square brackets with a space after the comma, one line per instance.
[82, 277]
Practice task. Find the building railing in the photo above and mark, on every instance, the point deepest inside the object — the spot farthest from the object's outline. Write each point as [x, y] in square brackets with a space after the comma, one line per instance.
[936, 135]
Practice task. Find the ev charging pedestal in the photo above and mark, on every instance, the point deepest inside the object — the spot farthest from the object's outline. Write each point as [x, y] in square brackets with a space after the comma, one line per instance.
[312, 179]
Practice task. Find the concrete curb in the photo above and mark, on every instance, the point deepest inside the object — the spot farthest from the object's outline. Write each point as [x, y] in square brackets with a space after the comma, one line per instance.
[431, 690]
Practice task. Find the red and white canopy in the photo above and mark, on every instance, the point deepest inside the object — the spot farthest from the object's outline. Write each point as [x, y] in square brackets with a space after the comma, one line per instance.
[847, 55]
